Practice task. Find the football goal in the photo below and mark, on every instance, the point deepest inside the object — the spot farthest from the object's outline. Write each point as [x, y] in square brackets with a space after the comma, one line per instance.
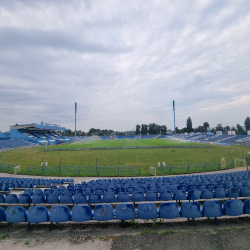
[128, 143]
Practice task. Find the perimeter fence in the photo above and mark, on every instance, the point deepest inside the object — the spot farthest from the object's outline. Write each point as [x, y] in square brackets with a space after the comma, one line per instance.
[161, 169]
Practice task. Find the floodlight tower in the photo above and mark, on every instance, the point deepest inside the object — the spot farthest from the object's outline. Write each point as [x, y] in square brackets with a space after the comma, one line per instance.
[75, 117]
[174, 116]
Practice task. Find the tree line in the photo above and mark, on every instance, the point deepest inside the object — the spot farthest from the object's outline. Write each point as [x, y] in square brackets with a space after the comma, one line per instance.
[203, 128]
[151, 129]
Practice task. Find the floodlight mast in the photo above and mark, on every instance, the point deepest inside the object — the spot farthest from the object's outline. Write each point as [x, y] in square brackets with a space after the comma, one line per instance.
[174, 116]
[75, 117]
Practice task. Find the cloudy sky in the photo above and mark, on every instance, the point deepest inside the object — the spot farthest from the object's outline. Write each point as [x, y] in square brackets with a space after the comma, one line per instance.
[124, 62]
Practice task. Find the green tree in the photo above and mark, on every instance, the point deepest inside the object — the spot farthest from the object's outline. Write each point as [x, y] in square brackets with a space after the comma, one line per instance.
[189, 125]
[219, 127]
[137, 129]
[206, 125]
[144, 129]
[247, 123]
[240, 129]
[213, 130]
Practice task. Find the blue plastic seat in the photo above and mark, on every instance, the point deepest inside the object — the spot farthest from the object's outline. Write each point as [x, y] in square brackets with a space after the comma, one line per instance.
[137, 196]
[79, 191]
[207, 194]
[38, 199]
[130, 190]
[119, 189]
[109, 197]
[123, 197]
[169, 210]
[28, 191]
[246, 184]
[125, 212]
[103, 212]
[80, 198]
[2, 214]
[147, 211]
[47, 191]
[2, 198]
[190, 210]
[171, 188]
[182, 187]
[246, 207]
[191, 186]
[59, 191]
[193, 195]
[200, 187]
[99, 191]
[38, 191]
[219, 185]
[37, 214]
[53, 188]
[95, 198]
[68, 191]
[220, 193]
[140, 189]
[166, 195]
[152, 195]
[228, 184]
[81, 213]
[11, 198]
[233, 192]
[161, 188]
[238, 184]
[233, 207]
[52, 198]
[25, 199]
[179, 195]
[15, 214]
[66, 199]
[212, 209]
[210, 186]
[59, 214]
[245, 192]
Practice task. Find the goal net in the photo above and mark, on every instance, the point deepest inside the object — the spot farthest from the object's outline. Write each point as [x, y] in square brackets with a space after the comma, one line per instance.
[17, 169]
[128, 143]
[239, 163]
[152, 170]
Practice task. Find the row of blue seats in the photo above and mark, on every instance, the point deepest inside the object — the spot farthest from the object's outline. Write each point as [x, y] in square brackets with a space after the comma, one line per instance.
[105, 212]
[110, 197]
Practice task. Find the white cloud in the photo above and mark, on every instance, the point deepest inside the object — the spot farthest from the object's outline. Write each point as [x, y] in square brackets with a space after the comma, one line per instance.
[124, 62]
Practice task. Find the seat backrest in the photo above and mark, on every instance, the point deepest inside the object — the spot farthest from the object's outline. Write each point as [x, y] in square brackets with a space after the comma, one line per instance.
[246, 207]
[165, 195]
[25, 199]
[80, 198]
[233, 207]
[220, 193]
[245, 192]
[152, 196]
[38, 191]
[52, 198]
[81, 213]
[95, 198]
[190, 209]
[59, 214]
[212, 208]
[15, 214]
[137, 196]
[123, 197]
[11, 198]
[169, 210]
[179, 195]
[28, 191]
[2, 198]
[66, 199]
[233, 192]
[125, 211]
[103, 212]
[207, 194]
[109, 197]
[147, 211]
[193, 194]
[2, 214]
[37, 214]
[38, 198]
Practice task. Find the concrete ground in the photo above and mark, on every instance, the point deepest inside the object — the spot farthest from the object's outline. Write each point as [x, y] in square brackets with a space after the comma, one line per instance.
[229, 233]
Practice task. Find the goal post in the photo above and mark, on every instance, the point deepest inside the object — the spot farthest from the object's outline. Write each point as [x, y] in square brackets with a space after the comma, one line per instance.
[17, 169]
[128, 143]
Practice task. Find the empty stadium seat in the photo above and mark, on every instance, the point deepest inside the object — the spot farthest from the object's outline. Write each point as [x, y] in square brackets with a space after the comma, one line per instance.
[193, 194]
[245, 192]
[81, 213]
[11, 198]
[95, 198]
[28, 191]
[246, 207]
[152, 195]
[233, 192]
[179, 195]
[207, 194]
[212, 209]
[37, 214]
[52, 198]
[2, 198]
[66, 199]
[16, 214]
[25, 199]
[137, 196]
[233, 207]
[169, 210]
[59, 214]
[125, 212]
[220, 193]
[123, 197]
[38, 199]
[38, 191]
[190, 210]
[80, 198]
[166, 195]
[2, 214]
[147, 211]
[103, 212]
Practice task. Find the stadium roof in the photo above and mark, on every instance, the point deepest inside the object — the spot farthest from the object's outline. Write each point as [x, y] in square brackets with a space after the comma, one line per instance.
[38, 126]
